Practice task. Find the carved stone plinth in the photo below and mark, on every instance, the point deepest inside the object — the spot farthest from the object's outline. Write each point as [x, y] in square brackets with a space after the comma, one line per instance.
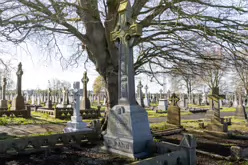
[128, 131]
[18, 103]
[76, 124]
[163, 104]
[85, 104]
[49, 105]
[3, 104]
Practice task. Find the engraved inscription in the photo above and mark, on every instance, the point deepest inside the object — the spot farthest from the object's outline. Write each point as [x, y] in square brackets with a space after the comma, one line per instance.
[118, 144]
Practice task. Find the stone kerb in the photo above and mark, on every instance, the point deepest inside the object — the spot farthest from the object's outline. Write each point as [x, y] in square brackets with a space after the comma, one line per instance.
[37, 143]
[183, 154]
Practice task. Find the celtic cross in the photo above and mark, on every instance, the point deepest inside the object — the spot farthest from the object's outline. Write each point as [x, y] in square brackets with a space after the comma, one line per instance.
[124, 35]
[174, 99]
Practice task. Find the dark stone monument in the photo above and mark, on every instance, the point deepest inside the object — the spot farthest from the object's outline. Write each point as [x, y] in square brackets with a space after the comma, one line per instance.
[128, 131]
[18, 101]
[49, 104]
[85, 102]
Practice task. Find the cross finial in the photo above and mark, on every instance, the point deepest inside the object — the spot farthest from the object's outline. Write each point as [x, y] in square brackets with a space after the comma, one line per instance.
[174, 99]
[146, 87]
[85, 78]
[19, 71]
[4, 81]
[140, 85]
[160, 91]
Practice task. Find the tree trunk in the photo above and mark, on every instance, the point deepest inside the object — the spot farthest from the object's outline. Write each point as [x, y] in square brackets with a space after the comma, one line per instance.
[111, 80]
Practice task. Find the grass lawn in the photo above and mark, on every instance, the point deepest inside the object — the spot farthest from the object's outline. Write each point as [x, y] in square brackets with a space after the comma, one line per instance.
[225, 109]
[37, 118]
[198, 106]
[152, 113]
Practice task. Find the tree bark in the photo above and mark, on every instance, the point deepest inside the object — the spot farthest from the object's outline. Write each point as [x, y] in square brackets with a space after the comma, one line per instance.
[111, 79]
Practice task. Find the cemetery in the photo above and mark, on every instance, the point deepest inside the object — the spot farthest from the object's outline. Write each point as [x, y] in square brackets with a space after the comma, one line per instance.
[172, 85]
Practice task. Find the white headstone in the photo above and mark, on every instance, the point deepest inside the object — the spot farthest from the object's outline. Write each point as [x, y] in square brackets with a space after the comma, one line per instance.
[76, 124]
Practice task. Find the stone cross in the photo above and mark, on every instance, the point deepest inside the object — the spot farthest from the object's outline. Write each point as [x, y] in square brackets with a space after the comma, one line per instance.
[4, 88]
[215, 98]
[140, 86]
[76, 96]
[19, 74]
[174, 99]
[125, 33]
[85, 104]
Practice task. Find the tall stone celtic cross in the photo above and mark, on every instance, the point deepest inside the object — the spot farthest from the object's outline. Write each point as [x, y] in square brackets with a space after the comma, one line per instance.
[85, 80]
[19, 74]
[4, 88]
[125, 33]
[174, 99]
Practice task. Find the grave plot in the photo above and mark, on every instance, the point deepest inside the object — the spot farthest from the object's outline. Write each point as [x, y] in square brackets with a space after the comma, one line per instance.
[225, 138]
[18, 108]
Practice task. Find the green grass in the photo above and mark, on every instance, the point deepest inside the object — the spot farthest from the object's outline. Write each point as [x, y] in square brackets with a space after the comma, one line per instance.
[153, 114]
[225, 109]
[37, 118]
[159, 126]
[154, 104]
[198, 106]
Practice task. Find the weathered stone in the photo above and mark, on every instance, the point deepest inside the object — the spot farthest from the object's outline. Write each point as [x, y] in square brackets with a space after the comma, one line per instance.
[174, 114]
[85, 102]
[3, 101]
[18, 101]
[127, 121]
[240, 109]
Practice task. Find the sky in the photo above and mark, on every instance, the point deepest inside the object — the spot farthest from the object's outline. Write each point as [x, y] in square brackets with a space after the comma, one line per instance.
[38, 70]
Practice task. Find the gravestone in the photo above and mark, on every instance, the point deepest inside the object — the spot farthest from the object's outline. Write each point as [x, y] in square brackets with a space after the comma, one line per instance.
[33, 100]
[63, 104]
[76, 124]
[147, 100]
[18, 101]
[174, 114]
[85, 102]
[128, 130]
[3, 101]
[235, 101]
[216, 123]
[240, 109]
[49, 104]
[162, 102]
[140, 95]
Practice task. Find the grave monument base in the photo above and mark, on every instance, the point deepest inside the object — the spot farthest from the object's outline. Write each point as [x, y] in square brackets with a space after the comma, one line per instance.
[163, 104]
[18, 103]
[76, 124]
[240, 112]
[128, 131]
[217, 126]
[3, 104]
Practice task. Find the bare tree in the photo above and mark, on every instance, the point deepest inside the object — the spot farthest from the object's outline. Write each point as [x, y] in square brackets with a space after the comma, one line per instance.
[175, 30]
